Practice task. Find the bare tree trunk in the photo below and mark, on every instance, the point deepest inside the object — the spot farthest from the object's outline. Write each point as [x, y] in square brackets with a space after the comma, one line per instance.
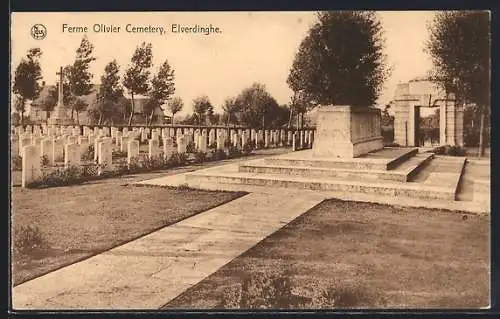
[77, 117]
[100, 119]
[151, 117]
[228, 118]
[172, 118]
[132, 111]
[290, 118]
[481, 134]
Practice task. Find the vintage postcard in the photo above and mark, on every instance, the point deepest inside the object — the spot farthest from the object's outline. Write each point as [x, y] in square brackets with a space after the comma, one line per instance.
[250, 160]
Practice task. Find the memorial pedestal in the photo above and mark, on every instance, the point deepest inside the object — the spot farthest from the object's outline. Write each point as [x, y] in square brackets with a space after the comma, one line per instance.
[347, 132]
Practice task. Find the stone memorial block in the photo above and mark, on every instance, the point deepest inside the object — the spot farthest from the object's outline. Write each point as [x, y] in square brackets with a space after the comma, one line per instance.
[31, 166]
[71, 154]
[289, 138]
[346, 132]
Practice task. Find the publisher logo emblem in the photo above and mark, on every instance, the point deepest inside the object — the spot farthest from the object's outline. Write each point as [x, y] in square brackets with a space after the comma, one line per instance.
[38, 31]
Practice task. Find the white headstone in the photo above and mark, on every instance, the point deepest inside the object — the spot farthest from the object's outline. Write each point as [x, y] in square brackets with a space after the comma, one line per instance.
[30, 164]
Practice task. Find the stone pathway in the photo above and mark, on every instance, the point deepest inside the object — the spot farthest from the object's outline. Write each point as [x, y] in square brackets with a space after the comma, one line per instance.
[150, 271]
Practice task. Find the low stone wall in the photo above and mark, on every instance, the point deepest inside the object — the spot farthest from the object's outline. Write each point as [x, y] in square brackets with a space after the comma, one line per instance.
[346, 132]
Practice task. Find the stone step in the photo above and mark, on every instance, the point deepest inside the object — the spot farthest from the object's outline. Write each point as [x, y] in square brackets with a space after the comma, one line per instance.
[379, 187]
[401, 174]
[445, 171]
[372, 161]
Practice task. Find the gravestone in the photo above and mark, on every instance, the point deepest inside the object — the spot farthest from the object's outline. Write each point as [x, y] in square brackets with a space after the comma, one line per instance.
[153, 148]
[132, 150]
[47, 149]
[71, 154]
[30, 165]
[58, 150]
[105, 154]
[168, 147]
[181, 144]
[25, 141]
[202, 143]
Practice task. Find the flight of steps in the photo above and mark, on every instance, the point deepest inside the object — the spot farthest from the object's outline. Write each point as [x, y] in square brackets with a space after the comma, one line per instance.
[399, 175]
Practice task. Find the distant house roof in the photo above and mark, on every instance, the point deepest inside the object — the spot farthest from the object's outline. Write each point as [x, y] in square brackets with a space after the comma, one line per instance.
[89, 98]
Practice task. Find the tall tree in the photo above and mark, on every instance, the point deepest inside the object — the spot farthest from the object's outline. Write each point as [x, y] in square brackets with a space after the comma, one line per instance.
[27, 79]
[230, 108]
[109, 93]
[136, 78]
[460, 47]
[175, 105]
[201, 108]
[162, 88]
[255, 105]
[341, 60]
[79, 76]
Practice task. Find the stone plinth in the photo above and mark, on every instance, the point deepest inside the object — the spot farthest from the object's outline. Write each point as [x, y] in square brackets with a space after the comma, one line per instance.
[346, 132]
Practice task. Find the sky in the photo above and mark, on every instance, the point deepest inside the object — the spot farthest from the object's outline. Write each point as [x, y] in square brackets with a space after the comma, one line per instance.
[250, 47]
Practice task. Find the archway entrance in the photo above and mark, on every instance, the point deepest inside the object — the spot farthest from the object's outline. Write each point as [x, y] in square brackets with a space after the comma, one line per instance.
[427, 128]
[410, 100]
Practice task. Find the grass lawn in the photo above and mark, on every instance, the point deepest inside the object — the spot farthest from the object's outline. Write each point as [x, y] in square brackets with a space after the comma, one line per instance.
[357, 255]
[80, 221]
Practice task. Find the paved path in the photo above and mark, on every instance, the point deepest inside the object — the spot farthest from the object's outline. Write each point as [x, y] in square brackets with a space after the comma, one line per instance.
[150, 271]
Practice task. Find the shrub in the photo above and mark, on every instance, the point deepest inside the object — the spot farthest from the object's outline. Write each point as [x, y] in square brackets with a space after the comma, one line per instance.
[232, 152]
[247, 149]
[17, 163]
[200, 157]
[134, 165]
[218, 155]
[454, 151]
[153, 162]
[88, 155]
[190, 147]
[44, 161]
[119, 154]
[28, 239]
[60, 177]
[213, 145]
[177, 159]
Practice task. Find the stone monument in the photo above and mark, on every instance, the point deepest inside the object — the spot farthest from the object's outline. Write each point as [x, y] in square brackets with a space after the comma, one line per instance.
[347, 132]
[59, 116]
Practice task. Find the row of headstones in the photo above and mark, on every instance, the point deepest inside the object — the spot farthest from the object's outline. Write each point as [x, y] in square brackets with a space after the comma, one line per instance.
[270, 137]
[55, 149]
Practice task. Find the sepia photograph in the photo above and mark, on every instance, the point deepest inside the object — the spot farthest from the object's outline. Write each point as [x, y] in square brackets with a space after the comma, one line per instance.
[280, 160]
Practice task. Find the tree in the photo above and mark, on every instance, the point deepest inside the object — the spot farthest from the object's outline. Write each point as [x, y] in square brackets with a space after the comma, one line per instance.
[175, 105]
[202, 107]
[230, 108]
[341, 60]
[255, 105]
[136, 78]
[27, 79]
[459, 45]
[109, 93]
[49, 102]
[387, 118]
[79, 77]
[162, 87]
